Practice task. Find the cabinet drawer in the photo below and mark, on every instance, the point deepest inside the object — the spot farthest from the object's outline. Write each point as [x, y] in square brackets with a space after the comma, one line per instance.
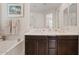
[52, 51]
[52, 43]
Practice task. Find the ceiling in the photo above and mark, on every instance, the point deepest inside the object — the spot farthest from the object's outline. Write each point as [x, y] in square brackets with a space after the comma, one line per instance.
[41, 7]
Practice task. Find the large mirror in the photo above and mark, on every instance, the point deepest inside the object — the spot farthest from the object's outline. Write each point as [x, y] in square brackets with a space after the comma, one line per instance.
[43, 15]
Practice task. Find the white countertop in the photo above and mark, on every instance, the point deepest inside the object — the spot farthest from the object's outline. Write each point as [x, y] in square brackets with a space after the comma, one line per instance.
[8, 44]
[51, 32]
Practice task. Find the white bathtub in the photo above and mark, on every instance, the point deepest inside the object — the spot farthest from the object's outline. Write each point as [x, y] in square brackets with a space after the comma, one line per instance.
[9, 46]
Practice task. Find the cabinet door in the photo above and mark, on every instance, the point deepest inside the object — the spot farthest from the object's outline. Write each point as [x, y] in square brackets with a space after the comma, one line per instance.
[68, 45]
[36, 45]
[43, 46]
[30, 46]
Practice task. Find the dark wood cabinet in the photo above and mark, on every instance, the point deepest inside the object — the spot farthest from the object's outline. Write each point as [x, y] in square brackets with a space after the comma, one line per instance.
[67, 45]
[37, 45]
[51, 45]
[31, 45]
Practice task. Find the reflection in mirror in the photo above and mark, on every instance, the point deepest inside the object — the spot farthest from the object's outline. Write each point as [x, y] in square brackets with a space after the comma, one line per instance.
[49, 20]
[43, 15]
[73, 14]
[70, 15]
[66, 20]
[37, 16]
[36, 20]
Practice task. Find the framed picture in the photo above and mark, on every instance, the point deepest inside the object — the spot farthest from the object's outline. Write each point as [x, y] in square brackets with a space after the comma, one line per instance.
[15, 10]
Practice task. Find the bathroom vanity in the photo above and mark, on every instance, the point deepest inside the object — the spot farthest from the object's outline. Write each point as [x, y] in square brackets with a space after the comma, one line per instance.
[51, 45]
[52, 31]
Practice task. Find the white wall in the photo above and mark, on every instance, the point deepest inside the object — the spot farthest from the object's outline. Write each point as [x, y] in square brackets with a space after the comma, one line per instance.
[5, 20]
[24, 20]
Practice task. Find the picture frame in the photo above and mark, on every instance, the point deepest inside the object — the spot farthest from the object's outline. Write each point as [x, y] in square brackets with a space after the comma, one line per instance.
[15, 10]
